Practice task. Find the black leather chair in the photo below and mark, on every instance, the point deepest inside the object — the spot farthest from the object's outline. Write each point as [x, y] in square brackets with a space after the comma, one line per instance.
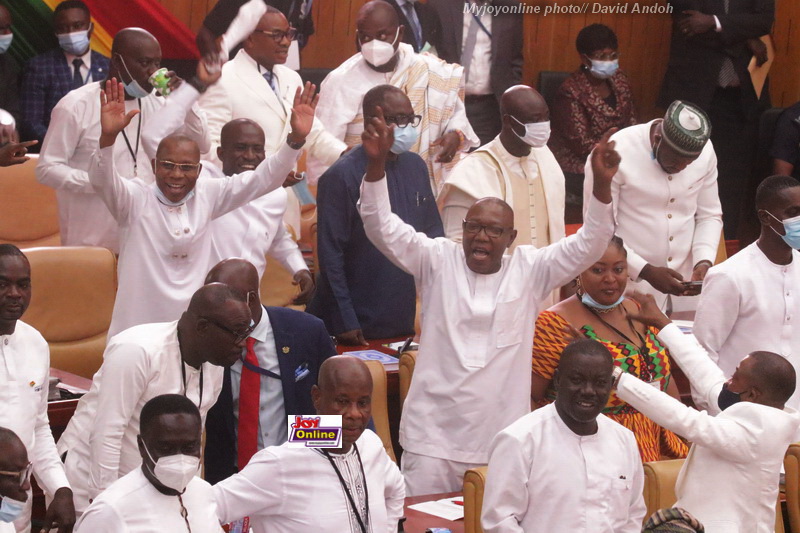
[549, 82]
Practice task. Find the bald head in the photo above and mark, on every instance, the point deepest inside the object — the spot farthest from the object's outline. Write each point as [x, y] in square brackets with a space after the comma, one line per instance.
[378, 12]
[521, 101]
[232, 131]
[173, 143]
[494, 205]
[774, 375]
[343, 371]
[5, 20]
[128, 39]
[209, 299]
[235, 273]
[7, 439]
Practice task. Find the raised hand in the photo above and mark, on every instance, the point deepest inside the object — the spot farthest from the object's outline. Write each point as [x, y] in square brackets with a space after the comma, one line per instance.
[303, 108]
[649, 314]
[378, 136]
[205, 76]
[14, 153]
[113, 118]
[605, 164]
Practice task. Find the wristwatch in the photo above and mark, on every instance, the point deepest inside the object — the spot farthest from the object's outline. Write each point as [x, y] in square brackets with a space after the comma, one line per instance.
[293, 145]
[616, 374]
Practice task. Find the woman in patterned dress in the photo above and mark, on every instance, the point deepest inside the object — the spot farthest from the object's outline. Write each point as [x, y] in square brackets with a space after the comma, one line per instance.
[594, 99]
[601, 312]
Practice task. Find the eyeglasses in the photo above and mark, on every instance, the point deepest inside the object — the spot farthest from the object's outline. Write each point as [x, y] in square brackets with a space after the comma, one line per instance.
[186, 168]
[238, 336]
[613, 56]
[22, 476]
[403, 120]
[279, 35]
[491, 231]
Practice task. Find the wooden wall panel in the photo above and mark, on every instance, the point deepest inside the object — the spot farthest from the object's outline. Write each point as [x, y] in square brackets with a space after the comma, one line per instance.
[550, 42]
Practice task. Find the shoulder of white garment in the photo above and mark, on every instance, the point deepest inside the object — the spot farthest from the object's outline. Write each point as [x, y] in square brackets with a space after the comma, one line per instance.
[29, 334]
[147, 336]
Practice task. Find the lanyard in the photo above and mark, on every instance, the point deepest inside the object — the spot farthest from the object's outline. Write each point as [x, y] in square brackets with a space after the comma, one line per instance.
[361, 522]
[263, 371]
[480, 24]
[183, 374]
[135, 154]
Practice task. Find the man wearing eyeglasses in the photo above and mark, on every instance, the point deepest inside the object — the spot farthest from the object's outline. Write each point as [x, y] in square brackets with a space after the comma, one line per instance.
[472, 377]
[15, 479]
[360, 294]
[184, 357]
[24, 384]
[256, 85]
[165, 244]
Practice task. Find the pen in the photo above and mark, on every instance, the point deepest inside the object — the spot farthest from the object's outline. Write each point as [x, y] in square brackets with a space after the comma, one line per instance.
[405, 346]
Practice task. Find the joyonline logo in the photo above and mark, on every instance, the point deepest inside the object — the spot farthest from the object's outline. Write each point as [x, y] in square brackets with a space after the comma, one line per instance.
[317, 431]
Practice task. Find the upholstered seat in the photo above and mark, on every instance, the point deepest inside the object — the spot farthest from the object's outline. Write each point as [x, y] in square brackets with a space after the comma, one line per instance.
[73, 297]
[474, 483]
[380, 408]
[29, 216]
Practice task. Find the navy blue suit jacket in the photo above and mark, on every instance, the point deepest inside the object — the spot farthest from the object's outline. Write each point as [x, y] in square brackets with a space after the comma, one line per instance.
[47, 78]
[300, 338]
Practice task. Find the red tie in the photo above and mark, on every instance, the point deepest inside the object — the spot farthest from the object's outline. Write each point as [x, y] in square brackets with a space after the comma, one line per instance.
[249, 394]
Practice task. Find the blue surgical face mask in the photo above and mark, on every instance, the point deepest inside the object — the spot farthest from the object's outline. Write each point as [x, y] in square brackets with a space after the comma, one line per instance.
[164, 200]
[604, 69]
[132, 87]
[10, 509]
[791, 227]
[5, 42]
[404, 139]
[589, 301]
[75, 43]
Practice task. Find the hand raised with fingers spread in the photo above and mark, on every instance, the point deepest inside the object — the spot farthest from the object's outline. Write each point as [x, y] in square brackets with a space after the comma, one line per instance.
[113, 118]
[303, 108]
[605, 164]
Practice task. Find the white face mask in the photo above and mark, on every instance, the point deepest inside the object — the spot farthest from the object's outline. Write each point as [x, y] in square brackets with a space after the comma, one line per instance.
[536, 133]
[174, 471]
[378, 53]
[5, 42]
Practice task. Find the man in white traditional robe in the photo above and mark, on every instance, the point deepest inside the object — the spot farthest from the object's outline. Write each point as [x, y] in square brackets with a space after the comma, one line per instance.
[351, 489]
[730, 478]
[256, 229]
[517, 167]
[151, 498]
[164, 227]
[751, 301]
[565, 467]
[473, 376]
[24, 386]
[182, 357]
[256, 85]
[667, 204]
[74, 130]
[435, 88]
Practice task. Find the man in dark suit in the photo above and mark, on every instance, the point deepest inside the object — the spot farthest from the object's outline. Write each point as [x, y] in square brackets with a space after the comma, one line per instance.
[491, 52]
[287, 348]
[51, 75]
[9, 89]
[421, 23]
[712, 44]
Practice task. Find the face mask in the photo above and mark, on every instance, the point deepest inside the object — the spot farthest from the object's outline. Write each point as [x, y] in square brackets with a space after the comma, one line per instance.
[728, 397]
[792, 228]
[5, 42]
[10, 509]
[604, 69]
[536, 133]
[378, 53]
[75, 43]
[404, 139]
[166, 201]
[133, 88]
[175, 471]
[588, 300]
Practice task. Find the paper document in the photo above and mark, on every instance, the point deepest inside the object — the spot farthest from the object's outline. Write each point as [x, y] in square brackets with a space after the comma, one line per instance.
[448, 508]
[389, 362]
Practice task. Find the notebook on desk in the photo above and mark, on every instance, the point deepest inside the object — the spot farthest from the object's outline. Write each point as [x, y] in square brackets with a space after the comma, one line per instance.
[389, 362]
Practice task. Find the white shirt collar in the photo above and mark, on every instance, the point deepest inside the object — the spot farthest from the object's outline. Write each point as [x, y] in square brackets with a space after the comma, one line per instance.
[263, 328]
[87, 58]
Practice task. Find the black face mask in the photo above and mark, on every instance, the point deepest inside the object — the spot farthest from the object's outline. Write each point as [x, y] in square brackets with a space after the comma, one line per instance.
[727, 398]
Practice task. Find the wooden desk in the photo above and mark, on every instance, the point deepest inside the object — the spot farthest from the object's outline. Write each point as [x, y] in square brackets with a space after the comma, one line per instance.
[392, 386]
[418, 522]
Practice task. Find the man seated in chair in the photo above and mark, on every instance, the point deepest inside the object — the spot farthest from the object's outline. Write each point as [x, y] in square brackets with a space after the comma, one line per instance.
[352, 489]
[272, 381]
[730, 478]
[565, 467]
